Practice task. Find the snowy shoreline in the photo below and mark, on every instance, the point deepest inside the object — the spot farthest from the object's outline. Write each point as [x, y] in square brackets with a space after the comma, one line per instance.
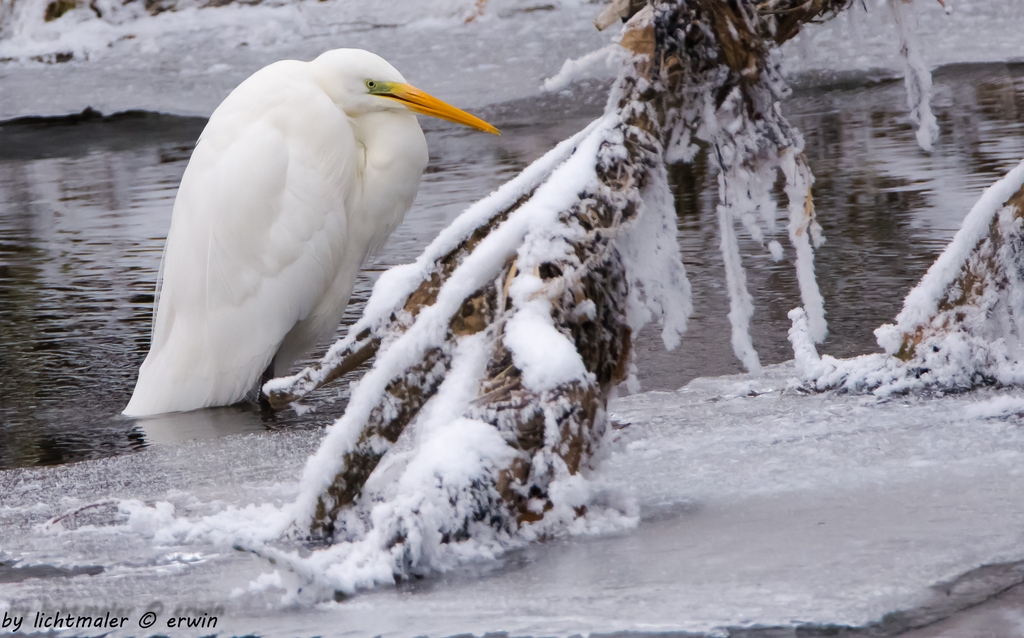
[143, 62]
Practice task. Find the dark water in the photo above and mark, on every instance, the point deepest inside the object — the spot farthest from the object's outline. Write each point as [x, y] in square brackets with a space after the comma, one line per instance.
[84, 208]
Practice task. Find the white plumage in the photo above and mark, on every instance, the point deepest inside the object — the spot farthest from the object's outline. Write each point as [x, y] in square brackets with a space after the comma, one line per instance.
[300, 173]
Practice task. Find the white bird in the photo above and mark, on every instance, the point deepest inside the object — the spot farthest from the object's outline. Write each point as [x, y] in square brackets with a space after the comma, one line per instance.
[302, 171]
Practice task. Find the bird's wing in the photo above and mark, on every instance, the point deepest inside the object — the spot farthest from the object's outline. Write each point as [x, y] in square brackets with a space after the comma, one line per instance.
[257, 237]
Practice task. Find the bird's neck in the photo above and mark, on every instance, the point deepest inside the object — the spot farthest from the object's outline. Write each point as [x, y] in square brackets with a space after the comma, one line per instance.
[393, 156]
[390, 137]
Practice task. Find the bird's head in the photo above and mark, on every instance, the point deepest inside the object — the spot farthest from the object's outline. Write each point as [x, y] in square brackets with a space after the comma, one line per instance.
[360, 82]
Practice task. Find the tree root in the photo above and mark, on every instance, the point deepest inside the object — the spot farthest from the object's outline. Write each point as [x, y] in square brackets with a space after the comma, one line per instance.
[684, 52]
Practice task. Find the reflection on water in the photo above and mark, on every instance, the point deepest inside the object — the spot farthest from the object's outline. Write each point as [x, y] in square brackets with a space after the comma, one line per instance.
[84, 209]
[887, 209]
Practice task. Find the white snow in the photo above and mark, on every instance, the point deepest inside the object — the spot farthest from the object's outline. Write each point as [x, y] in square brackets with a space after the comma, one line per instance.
[186, 61]
[805, 355]
[600, 64]
[546, 356]
[865, 37]
[995, 408]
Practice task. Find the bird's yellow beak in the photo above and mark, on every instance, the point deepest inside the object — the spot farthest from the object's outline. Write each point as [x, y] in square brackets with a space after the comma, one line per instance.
[422, 102]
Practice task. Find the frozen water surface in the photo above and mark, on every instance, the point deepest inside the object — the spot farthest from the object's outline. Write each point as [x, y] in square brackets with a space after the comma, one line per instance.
[760, 505]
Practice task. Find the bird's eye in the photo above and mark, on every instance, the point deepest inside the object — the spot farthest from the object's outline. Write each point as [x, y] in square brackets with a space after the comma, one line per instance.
[370, 84]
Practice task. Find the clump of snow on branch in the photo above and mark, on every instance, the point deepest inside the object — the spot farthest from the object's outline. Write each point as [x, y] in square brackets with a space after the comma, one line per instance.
[917, 77]
[594, 65]
[961, 326]
[428, 506]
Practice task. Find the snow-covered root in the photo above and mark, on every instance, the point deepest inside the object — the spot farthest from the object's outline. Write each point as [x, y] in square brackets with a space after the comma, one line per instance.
[917, 77]
[502, 380]
[519, 323]
[497, 351]
[511, 265]
[961, 326]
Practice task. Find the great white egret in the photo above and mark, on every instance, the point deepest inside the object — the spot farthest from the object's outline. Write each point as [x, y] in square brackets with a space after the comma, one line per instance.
[302, 171]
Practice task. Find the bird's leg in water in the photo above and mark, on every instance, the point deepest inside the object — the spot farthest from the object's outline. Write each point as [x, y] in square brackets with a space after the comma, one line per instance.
[267, 375]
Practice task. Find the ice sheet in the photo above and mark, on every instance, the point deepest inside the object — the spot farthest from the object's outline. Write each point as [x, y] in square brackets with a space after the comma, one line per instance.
[759, 505]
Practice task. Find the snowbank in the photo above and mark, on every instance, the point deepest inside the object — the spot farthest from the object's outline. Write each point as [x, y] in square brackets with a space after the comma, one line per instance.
[185, 61]
[126, 58]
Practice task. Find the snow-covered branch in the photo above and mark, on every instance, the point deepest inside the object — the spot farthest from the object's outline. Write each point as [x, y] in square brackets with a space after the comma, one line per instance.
[962, 326]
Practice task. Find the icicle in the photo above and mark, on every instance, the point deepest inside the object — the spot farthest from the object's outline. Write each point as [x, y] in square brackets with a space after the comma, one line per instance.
[917, 78]
[765, 203]
[741, 305]
[659, 288]
[805, 355]
[752, 195]
[803, 232]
